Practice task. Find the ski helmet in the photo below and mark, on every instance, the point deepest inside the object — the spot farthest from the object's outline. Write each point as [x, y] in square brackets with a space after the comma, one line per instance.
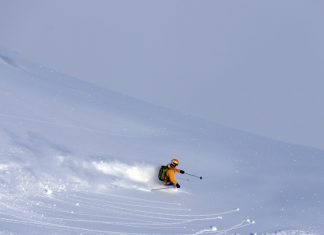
[174, 162]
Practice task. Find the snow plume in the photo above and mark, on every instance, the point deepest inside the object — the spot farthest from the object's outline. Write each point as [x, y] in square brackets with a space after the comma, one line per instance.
[126, 174]
[58, 173]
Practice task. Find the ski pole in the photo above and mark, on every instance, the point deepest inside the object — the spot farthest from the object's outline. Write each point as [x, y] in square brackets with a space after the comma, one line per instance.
[200, 177]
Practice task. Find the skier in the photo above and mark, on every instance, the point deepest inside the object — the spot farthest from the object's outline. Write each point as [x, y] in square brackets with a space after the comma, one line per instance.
[166, 173]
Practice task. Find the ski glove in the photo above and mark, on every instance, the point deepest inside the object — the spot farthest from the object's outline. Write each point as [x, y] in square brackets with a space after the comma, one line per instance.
[178, 185]
[182, 172]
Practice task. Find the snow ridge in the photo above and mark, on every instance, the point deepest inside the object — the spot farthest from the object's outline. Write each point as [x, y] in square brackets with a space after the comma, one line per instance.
[78, 159]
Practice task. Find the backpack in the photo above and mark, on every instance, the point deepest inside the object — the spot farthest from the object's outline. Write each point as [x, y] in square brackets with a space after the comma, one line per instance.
[163, 173]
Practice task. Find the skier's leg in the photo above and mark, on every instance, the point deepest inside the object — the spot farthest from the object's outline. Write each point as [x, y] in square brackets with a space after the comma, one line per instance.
[168, 183]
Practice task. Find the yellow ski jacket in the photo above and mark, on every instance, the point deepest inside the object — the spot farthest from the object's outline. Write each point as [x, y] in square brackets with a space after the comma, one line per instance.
[170, 174]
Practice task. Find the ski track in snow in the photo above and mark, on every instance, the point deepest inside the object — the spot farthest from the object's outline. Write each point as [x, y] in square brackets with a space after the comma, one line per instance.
[44, 210]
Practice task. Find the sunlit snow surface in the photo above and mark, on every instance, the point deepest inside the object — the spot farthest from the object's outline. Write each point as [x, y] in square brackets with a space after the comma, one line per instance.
[78, 159]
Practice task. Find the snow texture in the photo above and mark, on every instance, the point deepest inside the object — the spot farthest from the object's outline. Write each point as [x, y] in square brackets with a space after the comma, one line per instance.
[79, 159]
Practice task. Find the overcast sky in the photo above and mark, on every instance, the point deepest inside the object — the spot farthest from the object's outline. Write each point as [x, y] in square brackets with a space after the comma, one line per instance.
[252, 65]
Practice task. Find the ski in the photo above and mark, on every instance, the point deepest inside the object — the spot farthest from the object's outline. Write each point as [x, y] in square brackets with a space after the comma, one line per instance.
[156, 189]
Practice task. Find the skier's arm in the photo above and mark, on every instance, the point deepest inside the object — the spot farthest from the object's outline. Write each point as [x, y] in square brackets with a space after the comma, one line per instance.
[176, 170]
[179, 171]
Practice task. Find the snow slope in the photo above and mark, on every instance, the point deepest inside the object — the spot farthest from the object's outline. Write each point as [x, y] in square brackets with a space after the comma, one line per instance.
[79, 159]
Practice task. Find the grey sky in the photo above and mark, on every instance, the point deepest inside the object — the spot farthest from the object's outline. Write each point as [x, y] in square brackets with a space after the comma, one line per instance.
[253, 65]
